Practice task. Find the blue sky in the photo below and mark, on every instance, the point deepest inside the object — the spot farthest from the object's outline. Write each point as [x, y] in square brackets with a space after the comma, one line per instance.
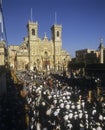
[83, 21]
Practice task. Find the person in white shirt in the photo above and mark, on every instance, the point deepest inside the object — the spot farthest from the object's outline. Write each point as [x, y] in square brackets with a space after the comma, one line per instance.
[38, 125]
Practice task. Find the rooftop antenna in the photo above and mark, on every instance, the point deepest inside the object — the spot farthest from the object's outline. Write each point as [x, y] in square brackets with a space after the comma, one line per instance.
[55, 18]
[31, 15]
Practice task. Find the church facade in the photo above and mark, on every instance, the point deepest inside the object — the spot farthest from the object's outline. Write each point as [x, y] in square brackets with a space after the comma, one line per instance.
[39, 54]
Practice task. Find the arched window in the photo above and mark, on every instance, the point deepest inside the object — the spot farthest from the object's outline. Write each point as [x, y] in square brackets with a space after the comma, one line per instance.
[33, 31]
[46, 54]
[57, 33]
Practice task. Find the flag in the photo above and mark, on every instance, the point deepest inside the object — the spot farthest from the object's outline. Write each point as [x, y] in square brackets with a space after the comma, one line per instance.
[0, 2]
[1, 22]
[1, 19]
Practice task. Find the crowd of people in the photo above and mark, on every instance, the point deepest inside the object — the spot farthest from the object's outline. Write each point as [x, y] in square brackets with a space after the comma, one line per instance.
[55, 105]
[50, 103]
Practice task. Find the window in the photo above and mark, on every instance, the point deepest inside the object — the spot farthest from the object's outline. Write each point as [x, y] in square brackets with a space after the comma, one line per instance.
[33, 31]
[57, 33]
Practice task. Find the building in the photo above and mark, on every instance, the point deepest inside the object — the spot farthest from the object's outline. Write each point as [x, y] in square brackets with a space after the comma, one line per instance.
[102, 52]
[39, 54]
[2, 53]
[87, 56]
[2, 68]
[90, 56]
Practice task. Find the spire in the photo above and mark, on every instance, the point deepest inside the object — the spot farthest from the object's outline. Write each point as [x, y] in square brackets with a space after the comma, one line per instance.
[101, 40]
[31, 15]
[45, 36]
[101, 43]
[55, 18]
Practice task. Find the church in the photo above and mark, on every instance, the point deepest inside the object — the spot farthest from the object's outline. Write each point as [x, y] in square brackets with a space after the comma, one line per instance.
[41, 54]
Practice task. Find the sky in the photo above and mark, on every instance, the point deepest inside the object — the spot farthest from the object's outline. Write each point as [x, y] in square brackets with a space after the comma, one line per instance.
[83, 21]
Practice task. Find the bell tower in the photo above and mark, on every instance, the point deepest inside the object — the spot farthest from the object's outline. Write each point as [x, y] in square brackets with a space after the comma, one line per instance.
[32, 42]
[56, 33]
[101, 48]
[32, 31]
[57, 43]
